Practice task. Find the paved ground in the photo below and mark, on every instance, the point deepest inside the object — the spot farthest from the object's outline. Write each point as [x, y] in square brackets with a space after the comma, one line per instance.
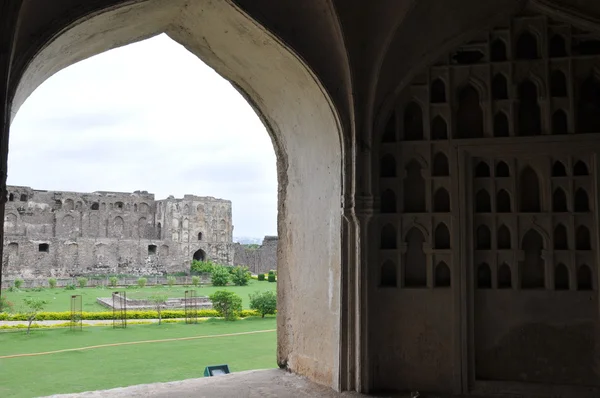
[86, 322]
[273, 383]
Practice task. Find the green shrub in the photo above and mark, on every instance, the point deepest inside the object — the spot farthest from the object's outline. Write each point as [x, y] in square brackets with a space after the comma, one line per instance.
[261, 277]
[264, 303]
[34, 307]
[159, 300]
[171, 281]
[240, 276]
[141, 282]
[82, 282]
[202, 267]
[271, 278]
[52, 283]
[112, 281]
[5, 305]
[18, 283]
[37, 289]
[108, 315]
[227, 303]
[195, 280]
[219, 276]
[70, 286]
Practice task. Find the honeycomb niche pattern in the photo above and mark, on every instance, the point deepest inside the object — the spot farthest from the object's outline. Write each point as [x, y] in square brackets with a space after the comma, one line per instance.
[467, 210]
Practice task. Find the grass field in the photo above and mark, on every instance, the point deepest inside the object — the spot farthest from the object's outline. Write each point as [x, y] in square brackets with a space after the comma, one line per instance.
[118, 366]
[59, 299]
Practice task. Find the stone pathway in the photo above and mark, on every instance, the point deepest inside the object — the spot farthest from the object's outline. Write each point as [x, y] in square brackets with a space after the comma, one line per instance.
[89, 322]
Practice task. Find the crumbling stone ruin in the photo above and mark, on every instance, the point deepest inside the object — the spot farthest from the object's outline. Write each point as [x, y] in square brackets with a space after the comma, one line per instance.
[60, 234]
[259, 259]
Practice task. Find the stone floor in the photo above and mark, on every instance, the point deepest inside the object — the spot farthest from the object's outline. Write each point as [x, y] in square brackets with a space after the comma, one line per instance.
[250, 384]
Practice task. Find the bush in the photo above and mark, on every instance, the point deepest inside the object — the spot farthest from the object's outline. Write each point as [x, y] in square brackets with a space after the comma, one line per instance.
[70, 286]
[240, 276]
[5, 305]
[219, 276]
[82, 282]
[141, 282]
[112, 281]
[264, 303]
[227, 303]
[108, 315]
[261, 277]
[271, 277]
[171, 281]
[52, 283]
[202, 267]
[18, 283]
[195, 280]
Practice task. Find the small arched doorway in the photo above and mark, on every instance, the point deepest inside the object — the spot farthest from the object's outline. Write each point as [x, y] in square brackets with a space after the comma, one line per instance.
[199, 255]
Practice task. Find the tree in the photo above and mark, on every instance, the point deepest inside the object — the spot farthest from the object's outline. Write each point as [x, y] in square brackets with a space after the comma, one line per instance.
[227, 303]
[265, 303]
[34, 306]
[240, 276]
[159, 300]
[219, 276]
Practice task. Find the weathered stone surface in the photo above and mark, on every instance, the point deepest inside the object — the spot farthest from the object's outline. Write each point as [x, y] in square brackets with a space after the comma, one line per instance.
[260, 259]
[59, 234]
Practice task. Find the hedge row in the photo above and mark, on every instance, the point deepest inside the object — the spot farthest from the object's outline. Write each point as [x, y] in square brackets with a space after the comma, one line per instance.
[108, 315]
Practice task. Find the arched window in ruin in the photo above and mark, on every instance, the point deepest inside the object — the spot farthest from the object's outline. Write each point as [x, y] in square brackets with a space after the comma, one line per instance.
[389, 134]
[441, 201]
[580, 169]
[142, 222]
[199, 235]
[388, 274]
[503, 238]
[483, 202]
[95, 206]
[414, 189]
[443, 276]
[484, 238]
[159, 231]
[559, 169]
[501, 128]
[482, 170]
[504, 277]
[67, 205]
[498, 51]
[440, 165]
[11, 197]
[558, 84]
[388, 201]
[588, 107]
[529, 191]
[561, 241]
[503, 202]
[24, 198]
[469, 117]
[199, 255]
[557, 47]
[484, 276]
[119, 205]
[582, 238]
[560, 124]
[561, 277]
[388, 237]
[581, 204]
[529, 115]
[415, 263]
[532, 266]
[117, 227]
[135, 207]
[502, 170]
[442, 237]
[439, 129]
[164, 250]
[44, 248]
[584, 278]
[413, 122]
[499, 87]
[152, 250]
[438, 91]
[387, 166]
[559, 201]
[527, 47]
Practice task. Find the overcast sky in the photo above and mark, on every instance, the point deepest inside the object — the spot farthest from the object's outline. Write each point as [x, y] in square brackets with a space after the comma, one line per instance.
[149, 116]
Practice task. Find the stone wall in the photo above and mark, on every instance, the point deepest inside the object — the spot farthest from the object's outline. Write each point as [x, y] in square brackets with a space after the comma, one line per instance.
[60, 234]
[258, 260]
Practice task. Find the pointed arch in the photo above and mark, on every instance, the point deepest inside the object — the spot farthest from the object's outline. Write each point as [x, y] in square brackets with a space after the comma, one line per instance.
[526, 46]
[439, 129]
[561, 277]
[532, 266]
[413, 122]
[588, 106]
[503, 239]
[389, 132]
[504, 277]
[503, 202]
[529, 114]
[581, 202]
[502, 169]
[483, 238]
[559, 201]
[442, 237]
[558, 84]
[469, 116]
[388, 201]
[529, 191]
[584, 278]
[501, 128]
[484, 276]
[557, 47]
[561, 240]
[388, 274]
[441, 167]
[482, 170]
[438, 91]
[498, 51]
[582, 238]
[559, 169]
[443, 277]
[387, 166]
[415, 260]
[388, 237]
[580, 169]
[414, 189]
[441, 201]
[560, 123]
[499, 87]
[483, 203]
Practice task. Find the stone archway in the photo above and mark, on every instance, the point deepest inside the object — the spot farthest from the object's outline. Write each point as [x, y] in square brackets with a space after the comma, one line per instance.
[305, 131]
[199, 255]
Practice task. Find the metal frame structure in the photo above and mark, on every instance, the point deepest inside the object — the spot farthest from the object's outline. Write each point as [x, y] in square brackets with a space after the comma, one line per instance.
[191, 307]
[119, 304]
[76, 313]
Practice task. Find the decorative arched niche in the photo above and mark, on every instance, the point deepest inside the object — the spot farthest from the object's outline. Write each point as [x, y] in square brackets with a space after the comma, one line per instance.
[532, 265]
[469, 116]
[415, 260]
[443, 276]
[414, 189]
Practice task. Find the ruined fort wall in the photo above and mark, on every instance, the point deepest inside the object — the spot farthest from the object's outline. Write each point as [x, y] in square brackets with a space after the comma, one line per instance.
[56, 233]
[258, 260]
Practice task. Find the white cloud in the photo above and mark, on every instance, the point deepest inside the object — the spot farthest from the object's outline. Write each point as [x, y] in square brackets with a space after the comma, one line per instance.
[148, 116]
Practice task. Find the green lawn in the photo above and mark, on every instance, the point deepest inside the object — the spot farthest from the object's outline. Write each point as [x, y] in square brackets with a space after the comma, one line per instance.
[110, 367]
[59, 299]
